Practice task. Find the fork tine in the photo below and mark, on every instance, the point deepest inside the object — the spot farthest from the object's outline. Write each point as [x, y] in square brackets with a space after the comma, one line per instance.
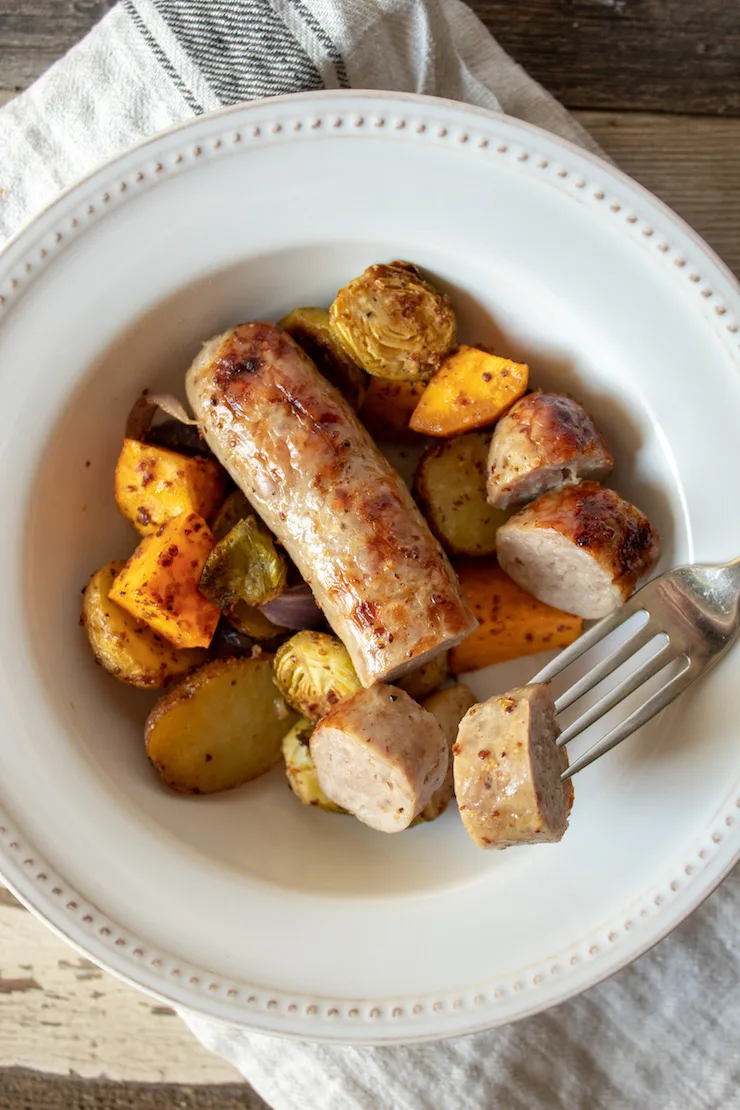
[622, 690]
[636, 720]
[620, 655]
[588, 640]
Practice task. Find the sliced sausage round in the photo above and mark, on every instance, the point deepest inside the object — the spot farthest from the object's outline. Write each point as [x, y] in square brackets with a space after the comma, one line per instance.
[582, 548]
[381, 756]
[545, 441]
[308, 466]
[507, 769]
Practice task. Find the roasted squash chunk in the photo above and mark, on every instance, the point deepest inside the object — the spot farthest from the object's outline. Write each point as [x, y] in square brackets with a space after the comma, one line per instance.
[512, 623]
[470, 390]
[159, 583]
[387, 409]
[130, 651]
[153, 484]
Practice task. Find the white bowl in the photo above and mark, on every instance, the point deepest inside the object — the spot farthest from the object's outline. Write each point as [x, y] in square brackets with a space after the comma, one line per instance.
[246, 906]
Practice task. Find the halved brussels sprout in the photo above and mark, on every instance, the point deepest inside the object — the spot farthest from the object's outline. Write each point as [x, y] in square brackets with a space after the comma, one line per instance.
[312, 329]
[393, 323]
[301, 769]
[244, 566]
[235, 508]
[314, 672]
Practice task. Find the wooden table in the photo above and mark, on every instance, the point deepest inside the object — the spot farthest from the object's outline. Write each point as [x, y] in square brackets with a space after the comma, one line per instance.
[657, 83]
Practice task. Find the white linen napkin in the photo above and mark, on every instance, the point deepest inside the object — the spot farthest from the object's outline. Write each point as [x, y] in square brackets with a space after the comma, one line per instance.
[664, 1034]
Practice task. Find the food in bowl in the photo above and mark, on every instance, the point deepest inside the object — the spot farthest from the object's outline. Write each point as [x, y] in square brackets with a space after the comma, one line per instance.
[297, 603]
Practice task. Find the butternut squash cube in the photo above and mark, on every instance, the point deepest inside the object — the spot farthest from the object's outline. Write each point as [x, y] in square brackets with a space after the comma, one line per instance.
[470, 390]
[159, 583]
[388, 407]
[153, 484]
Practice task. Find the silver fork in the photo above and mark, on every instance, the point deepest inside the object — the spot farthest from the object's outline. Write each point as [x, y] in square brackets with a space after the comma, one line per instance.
[696, 610]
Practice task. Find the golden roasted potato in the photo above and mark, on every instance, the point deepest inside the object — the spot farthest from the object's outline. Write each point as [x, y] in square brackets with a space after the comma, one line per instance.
[312, 329]
[470, 390]
[222, 726]
[450, 485]
[234, 509]
[153, 484]
[159, 583]
[127, 649]
[393, 323]
[448, 706]
[301, 769]
[253, 622]
[387, 409]
[314, 672]
[425, 679]
[244, 566]
[511, 623]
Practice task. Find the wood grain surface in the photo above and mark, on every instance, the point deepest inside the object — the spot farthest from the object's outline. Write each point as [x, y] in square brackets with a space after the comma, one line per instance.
[651, 55]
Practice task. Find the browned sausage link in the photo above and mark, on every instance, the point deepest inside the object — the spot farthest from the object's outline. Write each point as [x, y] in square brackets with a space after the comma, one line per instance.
[312, 472]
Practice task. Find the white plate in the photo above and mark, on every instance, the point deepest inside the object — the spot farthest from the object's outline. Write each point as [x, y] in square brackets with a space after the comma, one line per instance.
[246, 906]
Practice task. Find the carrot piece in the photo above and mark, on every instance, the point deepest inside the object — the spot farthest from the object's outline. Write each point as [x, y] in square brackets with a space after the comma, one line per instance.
[512, 623]
[387, 409]
[471, 389]
[159, 583]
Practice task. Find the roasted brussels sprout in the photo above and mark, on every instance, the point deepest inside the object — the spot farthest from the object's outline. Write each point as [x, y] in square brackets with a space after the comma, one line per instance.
[314, 672]
[244, 566]
[312, 329]
[393, 323]
[235, 508]
[301, 769]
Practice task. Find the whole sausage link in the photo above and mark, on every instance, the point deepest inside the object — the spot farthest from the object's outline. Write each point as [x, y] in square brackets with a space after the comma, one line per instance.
[311, 470]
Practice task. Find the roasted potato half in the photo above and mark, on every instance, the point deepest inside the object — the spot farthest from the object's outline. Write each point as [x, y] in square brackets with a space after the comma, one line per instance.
[127, 649]
[301, 769]
[450, 485]
[221, 727]
[312, 330]
[393, 323]
[314, 672]
[424, 680]
[244, 566]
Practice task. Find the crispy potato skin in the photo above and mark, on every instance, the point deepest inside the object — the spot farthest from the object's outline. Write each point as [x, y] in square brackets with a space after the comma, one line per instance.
[512, 623]
[159, 583]
[450, 486]
[221, 727]
[470, 390]
[127, 649]
[321, 485]
[153, 484]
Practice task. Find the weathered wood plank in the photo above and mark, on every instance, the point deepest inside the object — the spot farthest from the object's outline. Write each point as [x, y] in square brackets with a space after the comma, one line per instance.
[617, 54]
[648, 55]
[24, 1090]
[691, 163]
[34, 33]
[60, 1013]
